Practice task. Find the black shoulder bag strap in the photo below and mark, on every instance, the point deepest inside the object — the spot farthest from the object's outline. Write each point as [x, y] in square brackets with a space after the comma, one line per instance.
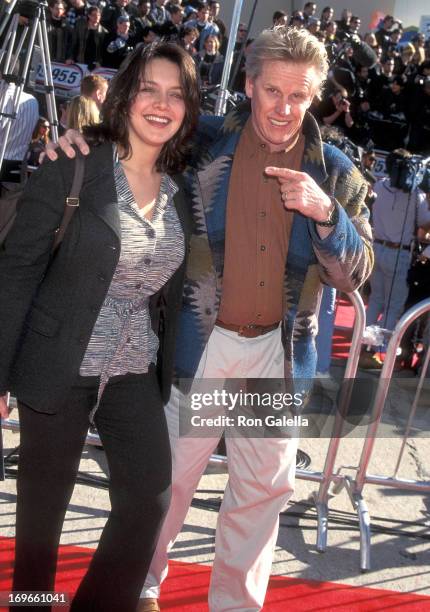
[72, 201]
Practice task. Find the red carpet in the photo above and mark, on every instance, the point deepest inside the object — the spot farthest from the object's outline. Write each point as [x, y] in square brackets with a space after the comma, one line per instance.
[187, 586]
[342, 337]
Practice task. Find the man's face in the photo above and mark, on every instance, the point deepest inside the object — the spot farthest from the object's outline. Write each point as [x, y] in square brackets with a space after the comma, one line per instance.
[161, 2]
[363, 73]
[122, 3]
[99, 95]
[203, 14]
[332, 28]
[77, 3]
[94, 17]
[177, 17]
[388, 66]
[328, 14]
[310, 10]
[355, 25]
[144, 8]
[123, 27]
[280, 97]
[58, 10]
[242, 32]
[215, 9]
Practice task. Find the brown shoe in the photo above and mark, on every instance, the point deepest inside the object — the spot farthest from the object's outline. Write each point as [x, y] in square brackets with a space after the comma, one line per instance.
[148, 604]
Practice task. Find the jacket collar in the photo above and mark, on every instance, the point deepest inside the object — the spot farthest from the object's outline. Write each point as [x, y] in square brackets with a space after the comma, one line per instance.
[99, 170]
[234, 123]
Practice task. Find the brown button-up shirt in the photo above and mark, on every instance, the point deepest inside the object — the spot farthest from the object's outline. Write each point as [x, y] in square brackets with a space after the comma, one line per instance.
[257, 233]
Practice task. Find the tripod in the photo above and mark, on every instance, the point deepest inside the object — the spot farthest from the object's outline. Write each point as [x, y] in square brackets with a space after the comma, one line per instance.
[35, 12]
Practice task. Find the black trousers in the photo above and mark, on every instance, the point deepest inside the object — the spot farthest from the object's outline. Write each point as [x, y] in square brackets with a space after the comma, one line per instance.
[132, 427]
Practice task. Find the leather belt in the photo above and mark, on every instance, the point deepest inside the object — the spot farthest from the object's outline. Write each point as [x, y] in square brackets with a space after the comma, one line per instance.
[392, 245]
[248, 331]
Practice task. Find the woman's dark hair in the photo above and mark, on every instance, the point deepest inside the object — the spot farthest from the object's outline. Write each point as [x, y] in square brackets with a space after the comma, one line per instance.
[122, 91]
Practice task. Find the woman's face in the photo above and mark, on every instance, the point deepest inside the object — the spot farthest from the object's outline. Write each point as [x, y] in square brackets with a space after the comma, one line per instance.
[210, 45]
[158, 109]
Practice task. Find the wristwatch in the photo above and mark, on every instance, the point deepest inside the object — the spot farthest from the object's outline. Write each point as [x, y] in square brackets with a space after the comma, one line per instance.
[333, 216]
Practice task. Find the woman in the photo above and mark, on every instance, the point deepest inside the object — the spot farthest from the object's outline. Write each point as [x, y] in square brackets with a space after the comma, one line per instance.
[210, 62]
[81, 112]
[39, 140]
[188, 37]
[82, 330]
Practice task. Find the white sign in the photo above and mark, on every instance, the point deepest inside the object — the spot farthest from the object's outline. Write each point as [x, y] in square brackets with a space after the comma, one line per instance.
[379, 169]
[66, 78]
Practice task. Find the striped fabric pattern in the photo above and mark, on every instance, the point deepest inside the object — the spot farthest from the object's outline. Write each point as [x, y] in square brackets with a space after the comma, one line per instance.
[151, 251]
[22, 126]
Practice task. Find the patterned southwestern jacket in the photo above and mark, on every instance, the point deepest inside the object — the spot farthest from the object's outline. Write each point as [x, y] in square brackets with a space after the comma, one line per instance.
[343, 260]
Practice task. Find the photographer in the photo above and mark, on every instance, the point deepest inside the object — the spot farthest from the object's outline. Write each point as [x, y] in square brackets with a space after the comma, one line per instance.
[119, 44]
[336, 110]
[398, 210]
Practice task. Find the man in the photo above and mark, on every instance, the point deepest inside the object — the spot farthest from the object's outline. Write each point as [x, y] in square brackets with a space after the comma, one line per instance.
[21, 129]
[171, 29]
[309, 11]
[111, 13]
[159, 13]
[397, 212]
[383, 33]
[214, 8]
[250, 311]
[94, 86]
[88, 40]
[59, 33]
[75, 12]
[119, 44]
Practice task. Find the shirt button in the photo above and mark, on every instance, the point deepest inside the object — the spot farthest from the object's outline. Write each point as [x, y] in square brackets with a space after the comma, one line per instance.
[128, 340]
[262, 146]
[138, 286]
[261, 283]
[150, 233]
[263, 213]
[259, 316]
[262, 248]
[112, 247]
[147, 261]
[208, 311]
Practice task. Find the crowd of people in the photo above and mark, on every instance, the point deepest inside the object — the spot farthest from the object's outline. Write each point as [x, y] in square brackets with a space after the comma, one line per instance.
[384, 101]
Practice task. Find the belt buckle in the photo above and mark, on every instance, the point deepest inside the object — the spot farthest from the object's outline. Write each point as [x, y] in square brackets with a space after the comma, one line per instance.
[242, 329]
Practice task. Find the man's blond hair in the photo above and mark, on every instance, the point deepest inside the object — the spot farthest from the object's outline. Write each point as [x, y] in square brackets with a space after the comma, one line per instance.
[286, 44]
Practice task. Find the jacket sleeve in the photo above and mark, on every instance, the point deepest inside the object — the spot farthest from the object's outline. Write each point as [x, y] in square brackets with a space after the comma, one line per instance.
[345, 257]
[25, 255]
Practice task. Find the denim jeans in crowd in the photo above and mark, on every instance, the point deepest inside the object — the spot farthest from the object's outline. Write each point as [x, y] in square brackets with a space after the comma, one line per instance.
[389, 287]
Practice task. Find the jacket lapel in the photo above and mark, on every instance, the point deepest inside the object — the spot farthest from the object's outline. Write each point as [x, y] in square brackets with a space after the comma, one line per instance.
[104, 204]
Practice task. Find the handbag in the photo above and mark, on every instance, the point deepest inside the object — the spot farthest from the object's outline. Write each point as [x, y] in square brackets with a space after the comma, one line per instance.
[9, 201]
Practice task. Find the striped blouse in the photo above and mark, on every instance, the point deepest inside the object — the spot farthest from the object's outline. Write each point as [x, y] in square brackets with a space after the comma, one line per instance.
[122, 340]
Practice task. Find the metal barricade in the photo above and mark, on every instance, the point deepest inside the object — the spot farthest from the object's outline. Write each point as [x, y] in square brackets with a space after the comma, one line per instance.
[355, 485]
[327, 475]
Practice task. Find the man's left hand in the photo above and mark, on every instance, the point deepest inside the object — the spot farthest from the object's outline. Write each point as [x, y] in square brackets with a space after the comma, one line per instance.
[300, 192]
